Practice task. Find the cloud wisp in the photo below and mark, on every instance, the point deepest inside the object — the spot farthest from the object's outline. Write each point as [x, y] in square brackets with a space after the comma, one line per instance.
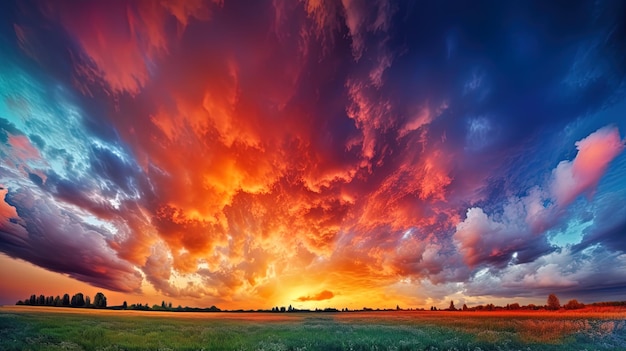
[321, 296]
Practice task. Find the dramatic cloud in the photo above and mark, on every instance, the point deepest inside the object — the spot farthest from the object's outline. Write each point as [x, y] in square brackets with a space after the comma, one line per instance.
[516, 234]
[576, 275]
[55, 237]
[246, 154]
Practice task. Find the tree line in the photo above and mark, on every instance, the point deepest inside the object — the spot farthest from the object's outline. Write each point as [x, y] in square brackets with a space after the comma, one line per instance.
[164, 307]
[77, 300]
[100, 301]
[552, 304]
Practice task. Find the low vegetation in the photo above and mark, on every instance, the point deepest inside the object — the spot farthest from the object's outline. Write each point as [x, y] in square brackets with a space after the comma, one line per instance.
[80, 324]
[40, 328]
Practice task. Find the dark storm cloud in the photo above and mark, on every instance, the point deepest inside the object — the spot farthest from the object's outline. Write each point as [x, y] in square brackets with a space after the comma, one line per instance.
[54, 238]
[112, 167]
[608, 227]
[565, 272]
[613, 236]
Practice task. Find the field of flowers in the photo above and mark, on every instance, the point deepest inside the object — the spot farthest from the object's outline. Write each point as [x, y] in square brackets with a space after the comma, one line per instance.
[40, 328]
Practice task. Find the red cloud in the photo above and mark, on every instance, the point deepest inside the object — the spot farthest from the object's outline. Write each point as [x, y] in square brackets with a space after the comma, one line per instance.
[323, 295]
[121, 40]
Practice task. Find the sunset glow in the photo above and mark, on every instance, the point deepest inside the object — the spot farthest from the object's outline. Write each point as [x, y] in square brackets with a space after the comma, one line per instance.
[251, 154]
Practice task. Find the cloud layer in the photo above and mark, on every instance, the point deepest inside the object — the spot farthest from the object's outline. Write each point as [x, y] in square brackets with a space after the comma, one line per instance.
[244, 154]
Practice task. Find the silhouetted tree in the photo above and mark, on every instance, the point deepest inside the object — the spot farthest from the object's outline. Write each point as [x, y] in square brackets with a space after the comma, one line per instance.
[66, 300]
[452, 308]
[57, 301]
[41, 300]
[78, 300]
[125, 305]
[464, 307]
[553, 303]
[100, 301]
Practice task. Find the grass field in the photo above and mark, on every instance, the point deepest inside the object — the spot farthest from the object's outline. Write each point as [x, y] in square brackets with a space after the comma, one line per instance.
[40, 328]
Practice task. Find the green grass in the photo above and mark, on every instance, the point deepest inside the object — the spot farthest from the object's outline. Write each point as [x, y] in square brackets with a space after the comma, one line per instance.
[57, 330]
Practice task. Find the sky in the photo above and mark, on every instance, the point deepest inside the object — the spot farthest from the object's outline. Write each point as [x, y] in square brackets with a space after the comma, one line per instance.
[314, 153]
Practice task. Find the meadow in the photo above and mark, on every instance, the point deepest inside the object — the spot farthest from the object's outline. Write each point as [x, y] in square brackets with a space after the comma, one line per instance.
[41, 328]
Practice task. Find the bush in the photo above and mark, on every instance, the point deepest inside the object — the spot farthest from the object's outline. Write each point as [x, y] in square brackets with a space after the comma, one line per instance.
[573, 305]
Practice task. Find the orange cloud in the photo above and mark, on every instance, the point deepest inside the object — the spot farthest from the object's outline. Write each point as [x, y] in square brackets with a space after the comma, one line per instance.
[247, 185]
[7, 212]
[322, 295]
